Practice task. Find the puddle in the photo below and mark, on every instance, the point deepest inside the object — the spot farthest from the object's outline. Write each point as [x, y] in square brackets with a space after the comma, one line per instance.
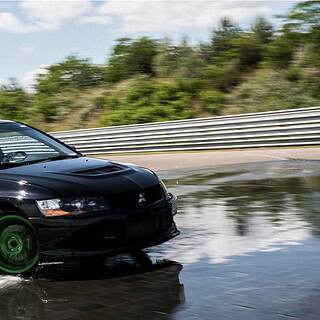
[249, 249]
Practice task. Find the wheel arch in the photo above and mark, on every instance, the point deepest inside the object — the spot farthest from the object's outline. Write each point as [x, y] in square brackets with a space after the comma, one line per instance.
[5, 207]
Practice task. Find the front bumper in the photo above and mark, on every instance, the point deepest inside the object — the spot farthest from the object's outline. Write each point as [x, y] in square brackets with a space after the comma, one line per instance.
[107, 233]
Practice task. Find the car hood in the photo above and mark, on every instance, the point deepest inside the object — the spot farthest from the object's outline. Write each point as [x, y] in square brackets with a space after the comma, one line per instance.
[81, 177]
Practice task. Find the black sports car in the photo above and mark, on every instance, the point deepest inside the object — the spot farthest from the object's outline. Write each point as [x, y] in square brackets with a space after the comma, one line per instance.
[56, 204]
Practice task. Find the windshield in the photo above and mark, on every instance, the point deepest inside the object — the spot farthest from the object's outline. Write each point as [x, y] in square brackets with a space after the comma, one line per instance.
[22, 144]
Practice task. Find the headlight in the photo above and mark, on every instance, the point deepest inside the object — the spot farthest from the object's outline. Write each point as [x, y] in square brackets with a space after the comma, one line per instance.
[164, 188]
[73, 206]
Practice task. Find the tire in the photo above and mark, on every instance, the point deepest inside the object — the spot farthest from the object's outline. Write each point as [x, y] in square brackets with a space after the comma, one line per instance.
[19, 250]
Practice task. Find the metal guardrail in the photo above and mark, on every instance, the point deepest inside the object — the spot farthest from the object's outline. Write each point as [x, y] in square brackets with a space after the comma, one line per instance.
[294, 127]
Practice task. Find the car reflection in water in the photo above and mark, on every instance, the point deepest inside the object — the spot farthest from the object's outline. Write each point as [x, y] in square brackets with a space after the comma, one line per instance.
[126, 286]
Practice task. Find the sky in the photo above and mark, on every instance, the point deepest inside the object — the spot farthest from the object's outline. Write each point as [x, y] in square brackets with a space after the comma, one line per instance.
[35, 34]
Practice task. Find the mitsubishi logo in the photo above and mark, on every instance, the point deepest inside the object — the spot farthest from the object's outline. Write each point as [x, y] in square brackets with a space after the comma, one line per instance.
[142, 198]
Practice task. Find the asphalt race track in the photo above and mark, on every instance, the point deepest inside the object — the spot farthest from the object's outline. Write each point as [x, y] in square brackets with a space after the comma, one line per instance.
[165, 161]
[249, 249]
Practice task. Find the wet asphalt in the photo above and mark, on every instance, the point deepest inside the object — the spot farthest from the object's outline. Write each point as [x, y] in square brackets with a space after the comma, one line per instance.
[249, 249]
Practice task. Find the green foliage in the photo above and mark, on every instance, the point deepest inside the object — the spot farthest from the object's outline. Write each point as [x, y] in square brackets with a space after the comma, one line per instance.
[171, 103]
[222, 77]
[223, 35]
[100, 102]
[211, 100]
[233, 52]
[190, 86]
[263, 30]
[140, 92]
[55, 107]
[146, 80]
[269, 90]
[130, 57]
[145, 101]
[301, 27]
[13, 102]
[293, 74]
[303, 18]
[47, 107]
[247, 52]
[280, 53]
[72, 72]
[178, 61]
[310, 83]
[57, 88]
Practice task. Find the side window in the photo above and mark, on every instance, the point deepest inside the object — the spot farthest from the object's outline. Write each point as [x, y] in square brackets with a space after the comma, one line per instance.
[17, 141]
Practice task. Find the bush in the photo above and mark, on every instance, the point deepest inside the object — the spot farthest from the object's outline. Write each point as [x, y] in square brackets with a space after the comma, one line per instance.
[310, 82]
[222, 77]
[140, 92]
[146, 101]
[280, 53]
[190, 86]
[269, 90]
[14, 103]
[293, 74]
[47, 107]
[211, 100]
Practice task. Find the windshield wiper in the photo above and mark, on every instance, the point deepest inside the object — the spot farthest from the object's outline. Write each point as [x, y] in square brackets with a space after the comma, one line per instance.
[6, 165]
[59, 157]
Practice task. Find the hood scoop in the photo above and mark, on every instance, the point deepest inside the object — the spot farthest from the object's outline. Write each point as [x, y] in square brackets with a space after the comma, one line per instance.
[99, 171]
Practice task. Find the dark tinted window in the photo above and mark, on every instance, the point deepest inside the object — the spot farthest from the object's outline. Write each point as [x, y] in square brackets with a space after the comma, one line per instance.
[19, 143]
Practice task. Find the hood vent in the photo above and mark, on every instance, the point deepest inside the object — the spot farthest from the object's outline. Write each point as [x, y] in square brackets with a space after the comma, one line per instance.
[99, 171]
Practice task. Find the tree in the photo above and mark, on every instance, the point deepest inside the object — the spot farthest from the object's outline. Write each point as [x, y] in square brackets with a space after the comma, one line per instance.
[223, 35]
[263, 30]
[281, 52]
[303, 23]
[247, 51]
[303, 18]
[181, 61]
[130, 57]
[141, 55]
[166, 60]
[301, 28]
[73, 72]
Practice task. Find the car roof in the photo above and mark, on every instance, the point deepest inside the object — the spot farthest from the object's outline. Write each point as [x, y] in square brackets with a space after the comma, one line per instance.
[7, 121]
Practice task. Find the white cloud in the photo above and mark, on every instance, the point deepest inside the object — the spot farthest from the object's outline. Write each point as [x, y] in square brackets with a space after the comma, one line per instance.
[131, 15]
[52, 14]
[9, 22]
[43, 15]
[142, 16]
[28, 80]
[225, 242]
[96, 19]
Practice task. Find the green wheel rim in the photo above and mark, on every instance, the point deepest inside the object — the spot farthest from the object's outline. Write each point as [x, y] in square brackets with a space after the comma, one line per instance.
[18, 245]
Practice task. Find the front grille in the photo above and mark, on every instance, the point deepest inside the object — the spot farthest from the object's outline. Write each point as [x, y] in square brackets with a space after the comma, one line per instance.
[130, 200]
[141, 228]
[110, 233]
[147, 226]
